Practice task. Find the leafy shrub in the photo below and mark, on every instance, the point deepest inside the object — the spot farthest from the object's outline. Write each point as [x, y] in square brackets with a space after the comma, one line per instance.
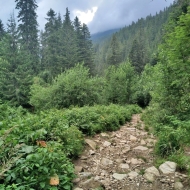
[36, 148]
[91, 120]
[25, 165]
[170, 141]
[72, 87]
[120, 84]
[35, 169]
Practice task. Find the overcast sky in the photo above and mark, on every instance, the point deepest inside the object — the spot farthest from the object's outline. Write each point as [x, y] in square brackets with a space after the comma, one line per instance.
[99, 15]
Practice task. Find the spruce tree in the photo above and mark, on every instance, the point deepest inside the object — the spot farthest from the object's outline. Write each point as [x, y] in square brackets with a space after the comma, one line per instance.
[28, 29]
[87, 48]
[115, 56]
[50, 45]
[2, 30]
[12, 36]
[68, 39]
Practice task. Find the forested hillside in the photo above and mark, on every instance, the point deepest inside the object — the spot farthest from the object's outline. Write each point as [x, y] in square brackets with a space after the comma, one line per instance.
[56, 87]
[137, 42]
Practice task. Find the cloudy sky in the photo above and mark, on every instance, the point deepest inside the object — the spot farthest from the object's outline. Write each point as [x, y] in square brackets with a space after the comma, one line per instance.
[99, 15]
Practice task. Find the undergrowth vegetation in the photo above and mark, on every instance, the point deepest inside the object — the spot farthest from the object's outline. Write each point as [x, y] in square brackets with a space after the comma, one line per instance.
[36, 149]
[169, 111]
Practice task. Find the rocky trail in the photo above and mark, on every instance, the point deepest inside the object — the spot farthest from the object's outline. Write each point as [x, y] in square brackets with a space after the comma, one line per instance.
[124, 160]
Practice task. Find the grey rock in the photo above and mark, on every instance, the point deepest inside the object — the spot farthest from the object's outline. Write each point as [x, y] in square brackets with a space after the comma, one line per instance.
[78, 188]
[76, 180]
[126, 149]
[119, 176]
[83, 158]
[149, 177]
[106, 143]
[119, 161]
[133, 138]
[91, 143]
[78, 169]
[153, 170]
[106, 162]
[143, 142]
[135, 161]
[91, 152]
[168, 167]
[124, 166]
[104, 135]
[141, 148]
[132, 175]
[85, 174]
[178, 186]
[87, 182]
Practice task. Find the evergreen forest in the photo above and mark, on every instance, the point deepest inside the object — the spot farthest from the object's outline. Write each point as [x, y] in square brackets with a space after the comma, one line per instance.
[59, 85]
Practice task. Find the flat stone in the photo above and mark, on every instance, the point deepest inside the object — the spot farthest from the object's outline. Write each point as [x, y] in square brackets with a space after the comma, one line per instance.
[153, 170]
[78, 188]
[149, 177]
[106, 162]
[135, 161]
[133, 138]
[76, 180]
[143, 142]
[104, 134]
[141, 148]
[126, 149]
[131, 129]
[106, 144]
[132, 175]
[118, 135]
[119, 176]
[168, 167]
[83, 158]
[91, 143]
[119, 161]
[87, 182]
[85, 174]
[124, 166]
[178, 186]
[78, 169]
[91, 152]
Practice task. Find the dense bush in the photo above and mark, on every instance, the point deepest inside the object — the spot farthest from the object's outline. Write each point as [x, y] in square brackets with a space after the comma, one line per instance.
[91, 120]
[36, 148]
[76, 87]
[120, 83]
[72, 87]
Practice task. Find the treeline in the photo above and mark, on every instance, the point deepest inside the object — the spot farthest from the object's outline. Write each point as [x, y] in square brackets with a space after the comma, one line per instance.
[137, 42]
[25, 54]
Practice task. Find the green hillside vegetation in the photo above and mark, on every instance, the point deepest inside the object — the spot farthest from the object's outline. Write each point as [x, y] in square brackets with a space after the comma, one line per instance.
[137, 42]
[61, 88]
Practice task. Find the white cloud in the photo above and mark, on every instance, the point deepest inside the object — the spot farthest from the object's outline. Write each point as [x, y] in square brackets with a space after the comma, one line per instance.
[86, 16]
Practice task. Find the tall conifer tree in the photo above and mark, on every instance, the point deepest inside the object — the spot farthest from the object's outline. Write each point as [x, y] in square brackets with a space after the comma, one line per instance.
[28, 29]
[2, 30]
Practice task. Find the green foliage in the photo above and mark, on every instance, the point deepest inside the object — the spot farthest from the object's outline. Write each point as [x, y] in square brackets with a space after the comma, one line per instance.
[35, 170]
[36, 147]
[148, 32]
[73, 87]
[169, 109]
[115, 56]
[91, 120]
[181, 160]
[120, 84]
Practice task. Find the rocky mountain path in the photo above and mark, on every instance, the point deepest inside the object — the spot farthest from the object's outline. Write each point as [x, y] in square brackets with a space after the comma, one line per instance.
[124, 160]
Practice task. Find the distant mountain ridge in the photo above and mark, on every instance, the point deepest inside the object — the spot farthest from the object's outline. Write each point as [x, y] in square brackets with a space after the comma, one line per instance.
[97, 37]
